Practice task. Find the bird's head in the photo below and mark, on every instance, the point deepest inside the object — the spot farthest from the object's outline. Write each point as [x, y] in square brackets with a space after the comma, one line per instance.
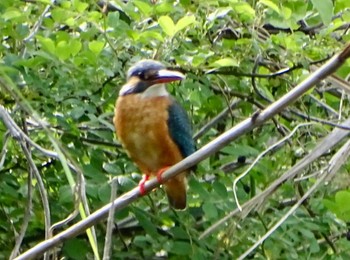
[147, 77]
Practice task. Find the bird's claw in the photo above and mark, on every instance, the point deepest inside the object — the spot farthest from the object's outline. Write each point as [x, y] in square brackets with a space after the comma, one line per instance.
[145, 178]
[159, 174]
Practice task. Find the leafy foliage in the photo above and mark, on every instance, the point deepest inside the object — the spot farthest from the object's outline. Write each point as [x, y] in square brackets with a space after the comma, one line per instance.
[65, 61]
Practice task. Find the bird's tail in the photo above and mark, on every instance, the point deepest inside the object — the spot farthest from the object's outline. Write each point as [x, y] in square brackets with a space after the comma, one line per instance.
[175, 189]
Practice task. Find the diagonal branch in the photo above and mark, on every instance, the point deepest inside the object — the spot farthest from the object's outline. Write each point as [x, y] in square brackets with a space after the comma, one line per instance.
[324, 146]
[335, 163]
[212, 147]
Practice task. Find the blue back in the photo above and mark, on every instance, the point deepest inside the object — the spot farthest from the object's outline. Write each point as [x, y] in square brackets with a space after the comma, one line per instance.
[180, 129]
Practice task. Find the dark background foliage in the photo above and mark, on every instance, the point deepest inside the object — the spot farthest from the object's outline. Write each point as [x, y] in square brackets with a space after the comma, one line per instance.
[66, 61]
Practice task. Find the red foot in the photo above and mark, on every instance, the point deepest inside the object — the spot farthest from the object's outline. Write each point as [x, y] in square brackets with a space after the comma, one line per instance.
[145, 178]
[159, 174]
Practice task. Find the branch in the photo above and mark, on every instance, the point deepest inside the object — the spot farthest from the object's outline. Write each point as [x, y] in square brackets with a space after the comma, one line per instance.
[278, 143]
[335, 163]
[324, 146]
[212, 147]
[215, 120]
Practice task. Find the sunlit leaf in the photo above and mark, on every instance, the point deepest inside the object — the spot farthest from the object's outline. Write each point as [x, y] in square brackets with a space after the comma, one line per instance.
[167, 25]
[184, 22]
[96, 46]
[270, 4]
[144, 7]
[219, 13]
[47, 43]
[325, 9]
[62, 50]
[11, 14]
[226, 62]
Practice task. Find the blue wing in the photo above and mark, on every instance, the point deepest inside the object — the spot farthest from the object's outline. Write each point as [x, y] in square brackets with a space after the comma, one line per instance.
[180, 129]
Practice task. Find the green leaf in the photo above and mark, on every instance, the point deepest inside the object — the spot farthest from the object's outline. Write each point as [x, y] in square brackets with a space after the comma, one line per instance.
[147, 35]
[181, 248]
[219, 13]
[80, 6]
[145, 222]
[144, 7]
[62, 50]
[270, 4]
[179, 233]
[342, 198]
[226, 62]
[286, 13]
[96, 46]
[66, 4]
[65, 194]
[164, 8]
[60, 15]
[220, 189]
[167, 25]
[47, 44]
[198, 188]
[75, 46]
[245, 10]
[104, 192]
[11, 14]
[325, 9]
[184, 22]
[75, 249]
[77, 112]
[70, 21]
[45, 1]
[210, 210]
[341, 206]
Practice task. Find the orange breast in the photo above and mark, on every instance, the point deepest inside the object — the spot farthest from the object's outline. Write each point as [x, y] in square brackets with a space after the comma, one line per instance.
[141, 125]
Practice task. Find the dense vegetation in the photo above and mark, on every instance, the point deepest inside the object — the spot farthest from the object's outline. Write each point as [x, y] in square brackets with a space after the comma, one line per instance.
[61, 66]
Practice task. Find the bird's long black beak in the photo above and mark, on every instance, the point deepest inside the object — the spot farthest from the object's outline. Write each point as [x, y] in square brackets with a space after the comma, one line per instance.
[165, 76]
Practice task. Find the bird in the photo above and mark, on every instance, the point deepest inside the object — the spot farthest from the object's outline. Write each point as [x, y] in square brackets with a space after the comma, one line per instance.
[153, 127]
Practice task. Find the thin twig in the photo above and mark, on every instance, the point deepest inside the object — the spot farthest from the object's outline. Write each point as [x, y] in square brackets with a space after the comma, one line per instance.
[327, 143]
[256, 89]
[335, 163]
[241, 176]
[37, 25]
[215, 120]
[42, 189]
[17, 133]
[319, 120]
[110, 223]
[26, 217]
[324, 105]
[3, 152]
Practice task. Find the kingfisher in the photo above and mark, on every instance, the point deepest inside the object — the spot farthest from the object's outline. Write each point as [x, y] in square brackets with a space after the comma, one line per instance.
[153, 127]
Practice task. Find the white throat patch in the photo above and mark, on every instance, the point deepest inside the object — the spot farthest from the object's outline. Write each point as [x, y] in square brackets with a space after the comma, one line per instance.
[157, 90]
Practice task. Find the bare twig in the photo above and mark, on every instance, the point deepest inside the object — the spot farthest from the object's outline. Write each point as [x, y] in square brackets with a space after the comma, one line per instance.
[42, 190]
[37, 24]
[319, 120]
[256, 89]
[238, 178]
[324, 105]
[110, 223]
[322, 147]
[17, 133]
[215, 120]
[4, 149]
[336, 162]
[26, 217]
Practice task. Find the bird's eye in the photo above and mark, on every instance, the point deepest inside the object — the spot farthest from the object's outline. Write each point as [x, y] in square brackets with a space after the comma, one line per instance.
[144, 75]
[141, 75]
